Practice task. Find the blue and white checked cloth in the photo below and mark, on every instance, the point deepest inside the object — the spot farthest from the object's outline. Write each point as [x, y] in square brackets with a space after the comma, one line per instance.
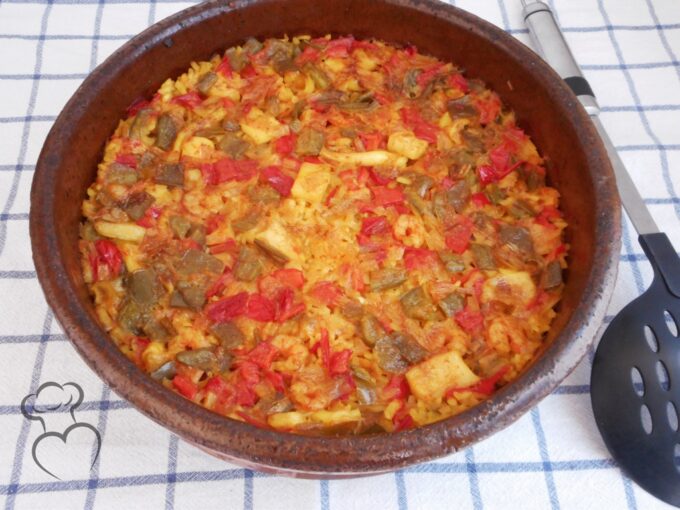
[553, 457]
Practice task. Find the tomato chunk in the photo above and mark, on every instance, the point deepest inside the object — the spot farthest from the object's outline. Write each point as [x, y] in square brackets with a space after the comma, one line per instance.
[185, 386]
[277, 179]
[228, 308]
[375, 225]
[327, 292]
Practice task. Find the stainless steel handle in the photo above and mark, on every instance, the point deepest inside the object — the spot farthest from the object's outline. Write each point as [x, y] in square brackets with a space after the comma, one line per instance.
[551, 45]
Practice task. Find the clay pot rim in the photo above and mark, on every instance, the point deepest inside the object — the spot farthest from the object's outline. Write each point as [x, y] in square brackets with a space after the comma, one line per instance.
[243, 441]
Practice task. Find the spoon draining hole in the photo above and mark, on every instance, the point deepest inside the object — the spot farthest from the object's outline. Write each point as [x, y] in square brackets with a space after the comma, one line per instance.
[662, 376]
[672, 415]
[638, 383]
[670, 323]
[646, 419]
[652, 342]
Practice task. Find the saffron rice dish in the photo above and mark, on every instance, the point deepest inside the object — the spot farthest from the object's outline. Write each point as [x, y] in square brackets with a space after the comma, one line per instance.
[324, 236]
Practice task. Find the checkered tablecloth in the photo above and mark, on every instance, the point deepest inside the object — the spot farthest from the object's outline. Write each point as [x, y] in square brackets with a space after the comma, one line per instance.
[552, 457]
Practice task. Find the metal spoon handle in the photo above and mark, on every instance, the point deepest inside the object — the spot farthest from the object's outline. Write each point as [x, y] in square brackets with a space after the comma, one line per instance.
[550, 44]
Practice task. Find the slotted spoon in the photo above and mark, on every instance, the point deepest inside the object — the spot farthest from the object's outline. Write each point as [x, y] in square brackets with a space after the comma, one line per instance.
[635, 380]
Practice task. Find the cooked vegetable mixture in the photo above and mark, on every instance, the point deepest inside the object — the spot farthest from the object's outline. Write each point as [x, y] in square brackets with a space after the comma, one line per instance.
[324, 236]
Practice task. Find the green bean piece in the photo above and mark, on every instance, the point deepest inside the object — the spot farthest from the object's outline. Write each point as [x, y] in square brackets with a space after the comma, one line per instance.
[203, 359]
[170, 174]
[483, 256]
[166, 132]
[229, 335]
[388, 278]
[552, 276]
[137, 204]
[452, 304]
[248, 264]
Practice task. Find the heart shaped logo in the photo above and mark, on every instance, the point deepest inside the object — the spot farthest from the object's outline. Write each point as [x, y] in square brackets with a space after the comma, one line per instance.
[66, 449]
[68, 455]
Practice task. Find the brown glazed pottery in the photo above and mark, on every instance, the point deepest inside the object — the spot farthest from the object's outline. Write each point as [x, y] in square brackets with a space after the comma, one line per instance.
[546, 109]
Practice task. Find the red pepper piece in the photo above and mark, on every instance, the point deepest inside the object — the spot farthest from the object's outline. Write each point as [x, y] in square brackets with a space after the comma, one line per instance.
[403, 423]
[249, 372]
[138, 104]
[106, 261]
[383, 99]
[260, 308]
[428, 75]
[375, 225]
[310, 54]
[339, 47]
[285, 307]
[364, 45]
[385, 197]
[219, 387]
[485, 386]
[402, 420]
[276, 380]
[277, 179]
[348, 178]
[539, 300]
[470, 321]
[418, 257]
[557, 252]
[252, 420]
[228, 308]
[355, 276]
[285, 145]
[228, 246]
[327, 292]
[263, 355]
[339, 362]
[458, 238]
[421, 128]
[139, 344]
[480, 199]
[372, 141]
[248, 71]
[213, 223]
[290, 277]
[489, 109]
[447, 183]
[224, 68]
[245, 396]
[457, 81]
[378, 179]
[324, 348]
[219, 285]
[185, 386]
[486, 174]
[149, 218]
[210, 175]
[397, 387]
[189, 100]
[127, 160]
[347, 387]
[330, 196]
[235, 170]
[500, 158]
[514, 137]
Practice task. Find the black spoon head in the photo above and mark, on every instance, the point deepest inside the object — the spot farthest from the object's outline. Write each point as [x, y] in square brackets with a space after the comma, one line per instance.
[635, 391]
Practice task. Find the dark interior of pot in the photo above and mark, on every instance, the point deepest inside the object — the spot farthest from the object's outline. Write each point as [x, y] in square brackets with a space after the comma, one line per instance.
[548, 113]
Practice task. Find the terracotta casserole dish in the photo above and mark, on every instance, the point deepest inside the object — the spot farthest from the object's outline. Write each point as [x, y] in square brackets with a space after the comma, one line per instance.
[545, 108]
